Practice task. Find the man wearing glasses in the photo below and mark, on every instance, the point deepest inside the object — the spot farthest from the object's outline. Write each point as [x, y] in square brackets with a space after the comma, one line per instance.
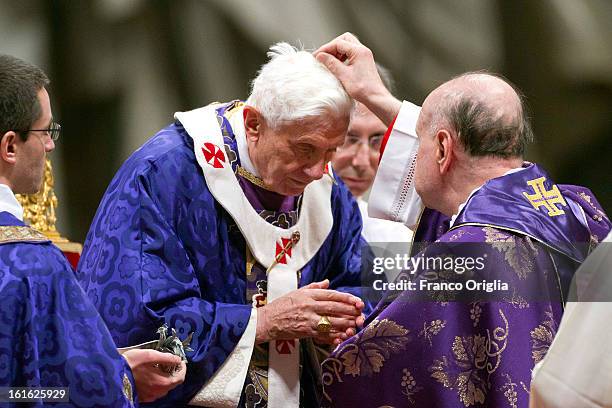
[52, 340]
[356, 162]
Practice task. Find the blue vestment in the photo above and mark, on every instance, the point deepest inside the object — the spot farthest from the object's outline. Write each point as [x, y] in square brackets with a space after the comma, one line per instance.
[161, 249]
[50, 333]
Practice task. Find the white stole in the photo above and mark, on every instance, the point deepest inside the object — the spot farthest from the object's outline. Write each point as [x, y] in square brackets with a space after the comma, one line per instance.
[264, 239]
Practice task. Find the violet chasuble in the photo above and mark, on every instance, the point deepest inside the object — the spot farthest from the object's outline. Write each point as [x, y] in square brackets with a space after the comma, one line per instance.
[431, 349]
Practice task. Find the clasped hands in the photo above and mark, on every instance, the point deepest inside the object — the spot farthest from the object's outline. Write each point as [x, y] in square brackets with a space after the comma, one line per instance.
[297, 314]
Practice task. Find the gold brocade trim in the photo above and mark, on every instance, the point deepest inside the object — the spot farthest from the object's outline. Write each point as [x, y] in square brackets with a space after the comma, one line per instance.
[241, 171]
[230, 112]
[127, 389]
[14, 233]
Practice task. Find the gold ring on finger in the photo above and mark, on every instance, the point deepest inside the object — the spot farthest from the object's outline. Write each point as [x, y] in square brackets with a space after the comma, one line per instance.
[324, 325]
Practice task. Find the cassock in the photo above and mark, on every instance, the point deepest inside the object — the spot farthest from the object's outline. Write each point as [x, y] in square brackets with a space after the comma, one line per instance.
[184, 236]
[50, 333]
[441, 347]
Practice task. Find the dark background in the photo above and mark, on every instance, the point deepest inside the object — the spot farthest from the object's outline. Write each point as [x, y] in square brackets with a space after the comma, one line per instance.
[121, 68]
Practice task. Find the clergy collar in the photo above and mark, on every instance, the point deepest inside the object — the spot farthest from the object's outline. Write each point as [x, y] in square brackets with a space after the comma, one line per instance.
[236, 121]
[9, 203]
[460, 208]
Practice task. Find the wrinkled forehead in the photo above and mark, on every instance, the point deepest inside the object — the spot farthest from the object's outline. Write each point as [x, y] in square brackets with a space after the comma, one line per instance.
[324, 123]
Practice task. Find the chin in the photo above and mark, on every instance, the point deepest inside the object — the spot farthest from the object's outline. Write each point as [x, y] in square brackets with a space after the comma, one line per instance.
[292, 191]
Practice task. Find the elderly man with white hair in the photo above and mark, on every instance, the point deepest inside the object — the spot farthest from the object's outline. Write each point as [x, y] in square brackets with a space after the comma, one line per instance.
[230, 224]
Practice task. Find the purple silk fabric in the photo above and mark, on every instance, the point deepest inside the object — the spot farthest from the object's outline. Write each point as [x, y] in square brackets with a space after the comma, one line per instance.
[433, 351]
[50, 333]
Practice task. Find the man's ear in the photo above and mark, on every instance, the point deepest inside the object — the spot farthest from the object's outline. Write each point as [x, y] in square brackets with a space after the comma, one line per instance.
[253, 123]
[444, 150]
[8, 147]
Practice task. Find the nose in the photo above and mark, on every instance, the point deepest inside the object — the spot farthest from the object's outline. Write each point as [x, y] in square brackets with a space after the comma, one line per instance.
[315, 171]
[361, 158]
[49, 145]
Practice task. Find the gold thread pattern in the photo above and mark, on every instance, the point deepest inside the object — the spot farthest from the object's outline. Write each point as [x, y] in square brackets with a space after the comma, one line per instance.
[373, 347]
[409, 385]
[520, 255]
[542, 337]
[127, 389]
[474, 358]
[15, 233]
[432, 329]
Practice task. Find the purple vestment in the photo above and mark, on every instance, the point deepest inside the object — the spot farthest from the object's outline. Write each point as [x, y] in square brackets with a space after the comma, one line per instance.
[431, 349]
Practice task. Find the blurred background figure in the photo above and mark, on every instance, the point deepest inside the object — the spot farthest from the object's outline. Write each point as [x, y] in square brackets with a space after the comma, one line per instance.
[356, 163]
[122, 67]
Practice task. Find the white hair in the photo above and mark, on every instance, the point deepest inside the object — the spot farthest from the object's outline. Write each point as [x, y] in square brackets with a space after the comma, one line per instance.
[293, 86]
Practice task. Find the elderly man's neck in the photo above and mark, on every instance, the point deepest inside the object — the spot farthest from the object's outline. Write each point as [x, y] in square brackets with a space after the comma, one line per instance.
[472, 174]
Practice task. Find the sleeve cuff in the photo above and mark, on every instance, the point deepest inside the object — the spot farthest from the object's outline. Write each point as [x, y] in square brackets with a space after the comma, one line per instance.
[225, 387]
[393, 195]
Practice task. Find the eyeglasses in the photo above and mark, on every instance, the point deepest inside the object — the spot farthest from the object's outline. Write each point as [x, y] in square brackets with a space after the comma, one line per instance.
[53, 131]
[354, 142]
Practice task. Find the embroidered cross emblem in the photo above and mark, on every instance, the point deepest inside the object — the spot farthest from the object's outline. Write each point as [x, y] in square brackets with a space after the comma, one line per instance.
[213, 155]
[283, 249]
[549, 199]
[284, 346]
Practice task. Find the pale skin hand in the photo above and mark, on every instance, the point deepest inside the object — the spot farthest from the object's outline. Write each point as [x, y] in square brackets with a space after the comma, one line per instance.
[354, 66]
[296, 314]
[150, 380]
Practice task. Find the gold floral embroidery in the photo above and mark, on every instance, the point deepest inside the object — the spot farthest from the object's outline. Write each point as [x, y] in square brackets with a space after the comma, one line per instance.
[517, 301]
[474, 359]
[372, 347]
[409, 385]
[519, 255]
[332, 370]
[600, 214]
[542, 337]
[475, 313]
[460, 233]
[509, 391]
[431, 329]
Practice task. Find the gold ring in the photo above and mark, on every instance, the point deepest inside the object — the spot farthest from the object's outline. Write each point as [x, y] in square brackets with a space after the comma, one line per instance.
[324, 325]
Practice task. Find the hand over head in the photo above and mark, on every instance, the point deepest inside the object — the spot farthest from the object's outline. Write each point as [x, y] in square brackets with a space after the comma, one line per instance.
[354, 66]
[297, 314]
[155, 373]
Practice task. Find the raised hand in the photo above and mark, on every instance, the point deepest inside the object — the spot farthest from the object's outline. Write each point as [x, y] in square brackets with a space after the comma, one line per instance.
[354, 66]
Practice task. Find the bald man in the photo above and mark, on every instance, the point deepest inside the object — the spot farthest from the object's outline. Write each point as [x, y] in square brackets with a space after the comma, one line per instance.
[479, 305]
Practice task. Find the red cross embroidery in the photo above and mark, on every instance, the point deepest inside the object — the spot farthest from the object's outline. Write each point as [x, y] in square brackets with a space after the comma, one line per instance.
[213, 155]
[285, 346]
[283, 250]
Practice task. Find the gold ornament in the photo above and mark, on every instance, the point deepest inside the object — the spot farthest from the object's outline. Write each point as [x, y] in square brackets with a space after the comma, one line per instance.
[39, 212]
